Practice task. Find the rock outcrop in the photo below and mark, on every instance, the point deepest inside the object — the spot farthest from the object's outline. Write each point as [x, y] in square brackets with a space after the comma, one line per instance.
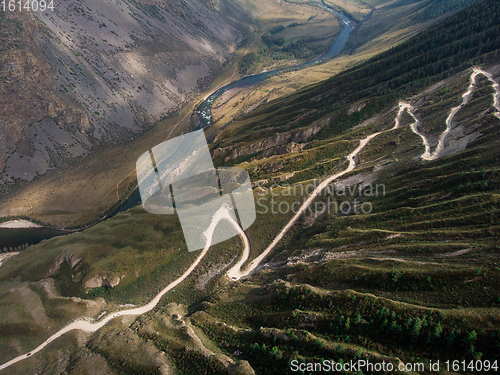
[280, 143]
[71, 259]
[101, 281]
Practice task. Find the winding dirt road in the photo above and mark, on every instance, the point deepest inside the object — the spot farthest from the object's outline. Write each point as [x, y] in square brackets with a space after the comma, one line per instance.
[235, 272]
[428, 155]
[86, 325]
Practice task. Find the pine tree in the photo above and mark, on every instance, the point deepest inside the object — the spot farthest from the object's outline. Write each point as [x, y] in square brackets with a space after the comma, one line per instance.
[357, 319]
[438, 330]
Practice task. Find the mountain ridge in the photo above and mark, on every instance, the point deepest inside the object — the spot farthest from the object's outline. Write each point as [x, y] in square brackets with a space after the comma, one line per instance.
[98, 77]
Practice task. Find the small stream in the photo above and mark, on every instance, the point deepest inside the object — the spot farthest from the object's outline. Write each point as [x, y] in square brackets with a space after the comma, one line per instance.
[13, 237]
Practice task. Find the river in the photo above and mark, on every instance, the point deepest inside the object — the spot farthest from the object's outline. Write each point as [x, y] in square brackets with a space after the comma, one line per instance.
[204, 111]
[17, 237]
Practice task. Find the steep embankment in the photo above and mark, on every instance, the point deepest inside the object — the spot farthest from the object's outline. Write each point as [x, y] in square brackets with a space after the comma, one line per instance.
[95, 72]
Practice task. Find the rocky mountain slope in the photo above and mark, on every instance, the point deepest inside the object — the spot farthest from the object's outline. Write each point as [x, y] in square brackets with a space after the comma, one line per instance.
[55, 141]
[96, 72]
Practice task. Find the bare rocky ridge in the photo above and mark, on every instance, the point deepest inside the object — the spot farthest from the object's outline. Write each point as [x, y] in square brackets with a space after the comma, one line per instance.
[99, 281]
[94, 72]
[27, 101]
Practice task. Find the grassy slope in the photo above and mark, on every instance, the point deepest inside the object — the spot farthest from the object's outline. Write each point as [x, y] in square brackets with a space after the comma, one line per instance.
[415, 280]
[424, 290]
[427, 273]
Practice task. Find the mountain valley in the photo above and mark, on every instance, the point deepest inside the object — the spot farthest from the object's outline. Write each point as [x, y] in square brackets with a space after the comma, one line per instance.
[376, 188]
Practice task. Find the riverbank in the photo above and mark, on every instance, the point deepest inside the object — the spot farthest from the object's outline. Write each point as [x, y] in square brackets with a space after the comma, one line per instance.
[19, 224]
[134, 199]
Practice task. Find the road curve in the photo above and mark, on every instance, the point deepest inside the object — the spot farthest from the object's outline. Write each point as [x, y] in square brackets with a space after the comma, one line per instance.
[236, 273]
[414, 127]
[86, 325]
[427, 155]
